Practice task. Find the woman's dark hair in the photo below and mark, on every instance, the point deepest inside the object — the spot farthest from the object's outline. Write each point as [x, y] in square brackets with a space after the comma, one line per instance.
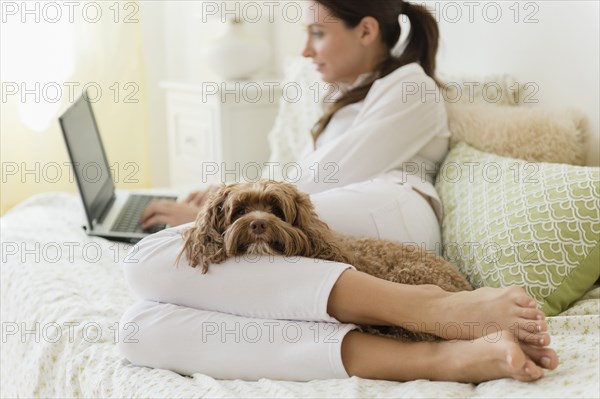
[421, 47]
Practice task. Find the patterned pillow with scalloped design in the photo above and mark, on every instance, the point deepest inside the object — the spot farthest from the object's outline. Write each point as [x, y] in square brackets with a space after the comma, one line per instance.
[511, 222]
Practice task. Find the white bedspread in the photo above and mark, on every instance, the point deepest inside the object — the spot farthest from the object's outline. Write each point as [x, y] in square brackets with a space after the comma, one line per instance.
[63, 293]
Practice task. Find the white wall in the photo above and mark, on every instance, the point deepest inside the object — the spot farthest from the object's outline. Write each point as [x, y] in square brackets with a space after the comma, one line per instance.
[154, 44]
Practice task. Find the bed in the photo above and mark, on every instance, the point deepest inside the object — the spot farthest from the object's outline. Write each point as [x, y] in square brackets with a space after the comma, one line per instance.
[63, 293]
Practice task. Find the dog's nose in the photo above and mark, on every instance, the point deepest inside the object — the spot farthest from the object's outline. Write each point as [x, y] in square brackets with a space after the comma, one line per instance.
[258, 226]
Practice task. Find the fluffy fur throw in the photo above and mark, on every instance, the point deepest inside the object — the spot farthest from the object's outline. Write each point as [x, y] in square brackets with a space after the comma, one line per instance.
[532, 134]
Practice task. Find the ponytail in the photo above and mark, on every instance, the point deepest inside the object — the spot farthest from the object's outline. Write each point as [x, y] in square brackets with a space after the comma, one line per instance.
[421, 47]
[423, 38]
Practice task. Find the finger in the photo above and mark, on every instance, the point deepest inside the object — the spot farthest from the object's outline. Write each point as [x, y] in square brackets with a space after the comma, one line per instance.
[155, 219]
[148, 212]
[196, 198]
[199, 200]
[155, 207]
[193, 197]
[190, 197]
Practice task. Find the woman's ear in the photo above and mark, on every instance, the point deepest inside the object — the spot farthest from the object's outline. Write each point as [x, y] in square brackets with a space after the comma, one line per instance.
[204, 242]
[368, 30]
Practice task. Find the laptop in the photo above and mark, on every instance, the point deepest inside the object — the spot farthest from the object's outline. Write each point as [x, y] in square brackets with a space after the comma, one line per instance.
[110, 214]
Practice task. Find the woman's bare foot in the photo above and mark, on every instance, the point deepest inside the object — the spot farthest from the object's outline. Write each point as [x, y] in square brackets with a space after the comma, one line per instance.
[487, 311]
[486, 358]
[363, 299]
[490, 357]
[508, 312]
[474, 314]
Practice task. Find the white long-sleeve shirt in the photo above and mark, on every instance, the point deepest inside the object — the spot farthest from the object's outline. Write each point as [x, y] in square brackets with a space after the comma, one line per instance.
[400, 129]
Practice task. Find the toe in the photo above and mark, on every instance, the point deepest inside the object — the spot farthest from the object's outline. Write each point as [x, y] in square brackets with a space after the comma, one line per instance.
[533, 371]
[534, 339]
[546, 362]
[531, 326]
[521, 368]
[529, 313]
[516, 363]
[549, 362]
[520, 297]
[544, 357]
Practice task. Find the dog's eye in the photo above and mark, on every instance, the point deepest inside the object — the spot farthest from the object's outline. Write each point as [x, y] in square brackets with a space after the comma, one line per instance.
[278, 212]
[239, 212]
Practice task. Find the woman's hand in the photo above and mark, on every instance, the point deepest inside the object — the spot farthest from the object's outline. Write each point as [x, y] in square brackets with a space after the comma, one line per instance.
[168, 212]
[174, 213]
[197, 198]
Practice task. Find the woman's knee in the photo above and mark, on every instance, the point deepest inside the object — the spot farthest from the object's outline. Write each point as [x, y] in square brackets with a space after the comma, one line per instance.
[132, 325]
[148, 261]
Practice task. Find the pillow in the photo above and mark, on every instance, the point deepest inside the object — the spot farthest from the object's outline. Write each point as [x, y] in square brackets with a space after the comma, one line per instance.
[499, 89]
[532, 134]
[510, 222]
[298, 111]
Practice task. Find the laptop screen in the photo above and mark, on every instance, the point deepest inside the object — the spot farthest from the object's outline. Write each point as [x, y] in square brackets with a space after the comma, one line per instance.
[88, 158]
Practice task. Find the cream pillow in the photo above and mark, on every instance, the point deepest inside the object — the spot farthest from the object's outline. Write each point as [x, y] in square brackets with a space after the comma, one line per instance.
[531, 134]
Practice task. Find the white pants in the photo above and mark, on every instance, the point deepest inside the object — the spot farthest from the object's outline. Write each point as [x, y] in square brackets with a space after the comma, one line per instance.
[250, 318]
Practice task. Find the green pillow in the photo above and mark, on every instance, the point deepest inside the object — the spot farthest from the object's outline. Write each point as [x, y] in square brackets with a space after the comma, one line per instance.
[511, 222]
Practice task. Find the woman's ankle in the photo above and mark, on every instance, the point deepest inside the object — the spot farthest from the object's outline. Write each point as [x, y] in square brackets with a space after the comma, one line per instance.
[375, 357]
[363, 299]
[423, 310]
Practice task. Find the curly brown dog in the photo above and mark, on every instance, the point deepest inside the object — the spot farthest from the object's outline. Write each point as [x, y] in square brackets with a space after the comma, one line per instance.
[274, 218]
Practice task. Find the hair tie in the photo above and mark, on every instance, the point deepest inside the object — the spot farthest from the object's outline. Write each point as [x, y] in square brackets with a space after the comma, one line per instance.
[405, 27]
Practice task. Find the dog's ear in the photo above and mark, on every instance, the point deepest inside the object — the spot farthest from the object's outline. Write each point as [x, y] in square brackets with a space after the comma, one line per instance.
[204, 242]
[324, 243]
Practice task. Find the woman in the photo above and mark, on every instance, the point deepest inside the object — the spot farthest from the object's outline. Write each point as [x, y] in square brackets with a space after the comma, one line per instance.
[259, 318]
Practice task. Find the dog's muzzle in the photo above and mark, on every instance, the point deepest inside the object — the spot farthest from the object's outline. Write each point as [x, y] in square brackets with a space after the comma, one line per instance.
[258, 226]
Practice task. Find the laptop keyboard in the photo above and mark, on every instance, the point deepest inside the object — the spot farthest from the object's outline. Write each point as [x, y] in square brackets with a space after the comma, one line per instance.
[129, 218]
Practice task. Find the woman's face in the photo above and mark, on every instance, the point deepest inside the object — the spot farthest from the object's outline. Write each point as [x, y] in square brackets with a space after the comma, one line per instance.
[338, 52]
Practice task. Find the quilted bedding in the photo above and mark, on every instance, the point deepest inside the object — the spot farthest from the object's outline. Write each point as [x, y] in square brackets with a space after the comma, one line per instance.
[63, 294]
